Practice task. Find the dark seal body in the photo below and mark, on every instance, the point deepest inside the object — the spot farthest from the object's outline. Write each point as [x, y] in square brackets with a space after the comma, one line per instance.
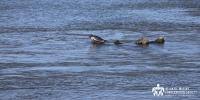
[117, 42]
[96, 40]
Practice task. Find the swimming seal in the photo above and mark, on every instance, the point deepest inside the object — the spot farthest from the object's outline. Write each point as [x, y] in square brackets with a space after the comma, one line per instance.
[117, 42]
[96, 40]
[160, 40]
[142, 41]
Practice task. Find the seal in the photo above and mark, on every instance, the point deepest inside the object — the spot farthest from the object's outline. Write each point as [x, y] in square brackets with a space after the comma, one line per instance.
[160, 40]
[142, 41]
[96, 39]
[117, 42]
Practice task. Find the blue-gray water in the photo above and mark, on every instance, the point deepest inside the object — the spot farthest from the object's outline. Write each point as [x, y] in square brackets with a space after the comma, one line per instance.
[45, 53]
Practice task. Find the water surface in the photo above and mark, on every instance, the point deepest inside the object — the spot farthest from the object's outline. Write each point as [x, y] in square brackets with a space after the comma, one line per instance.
[45, 53]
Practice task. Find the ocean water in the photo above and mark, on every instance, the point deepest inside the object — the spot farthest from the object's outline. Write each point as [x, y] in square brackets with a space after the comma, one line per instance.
[45, 52]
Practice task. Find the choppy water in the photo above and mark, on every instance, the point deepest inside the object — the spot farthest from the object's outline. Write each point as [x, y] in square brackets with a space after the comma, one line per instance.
[45, 53]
